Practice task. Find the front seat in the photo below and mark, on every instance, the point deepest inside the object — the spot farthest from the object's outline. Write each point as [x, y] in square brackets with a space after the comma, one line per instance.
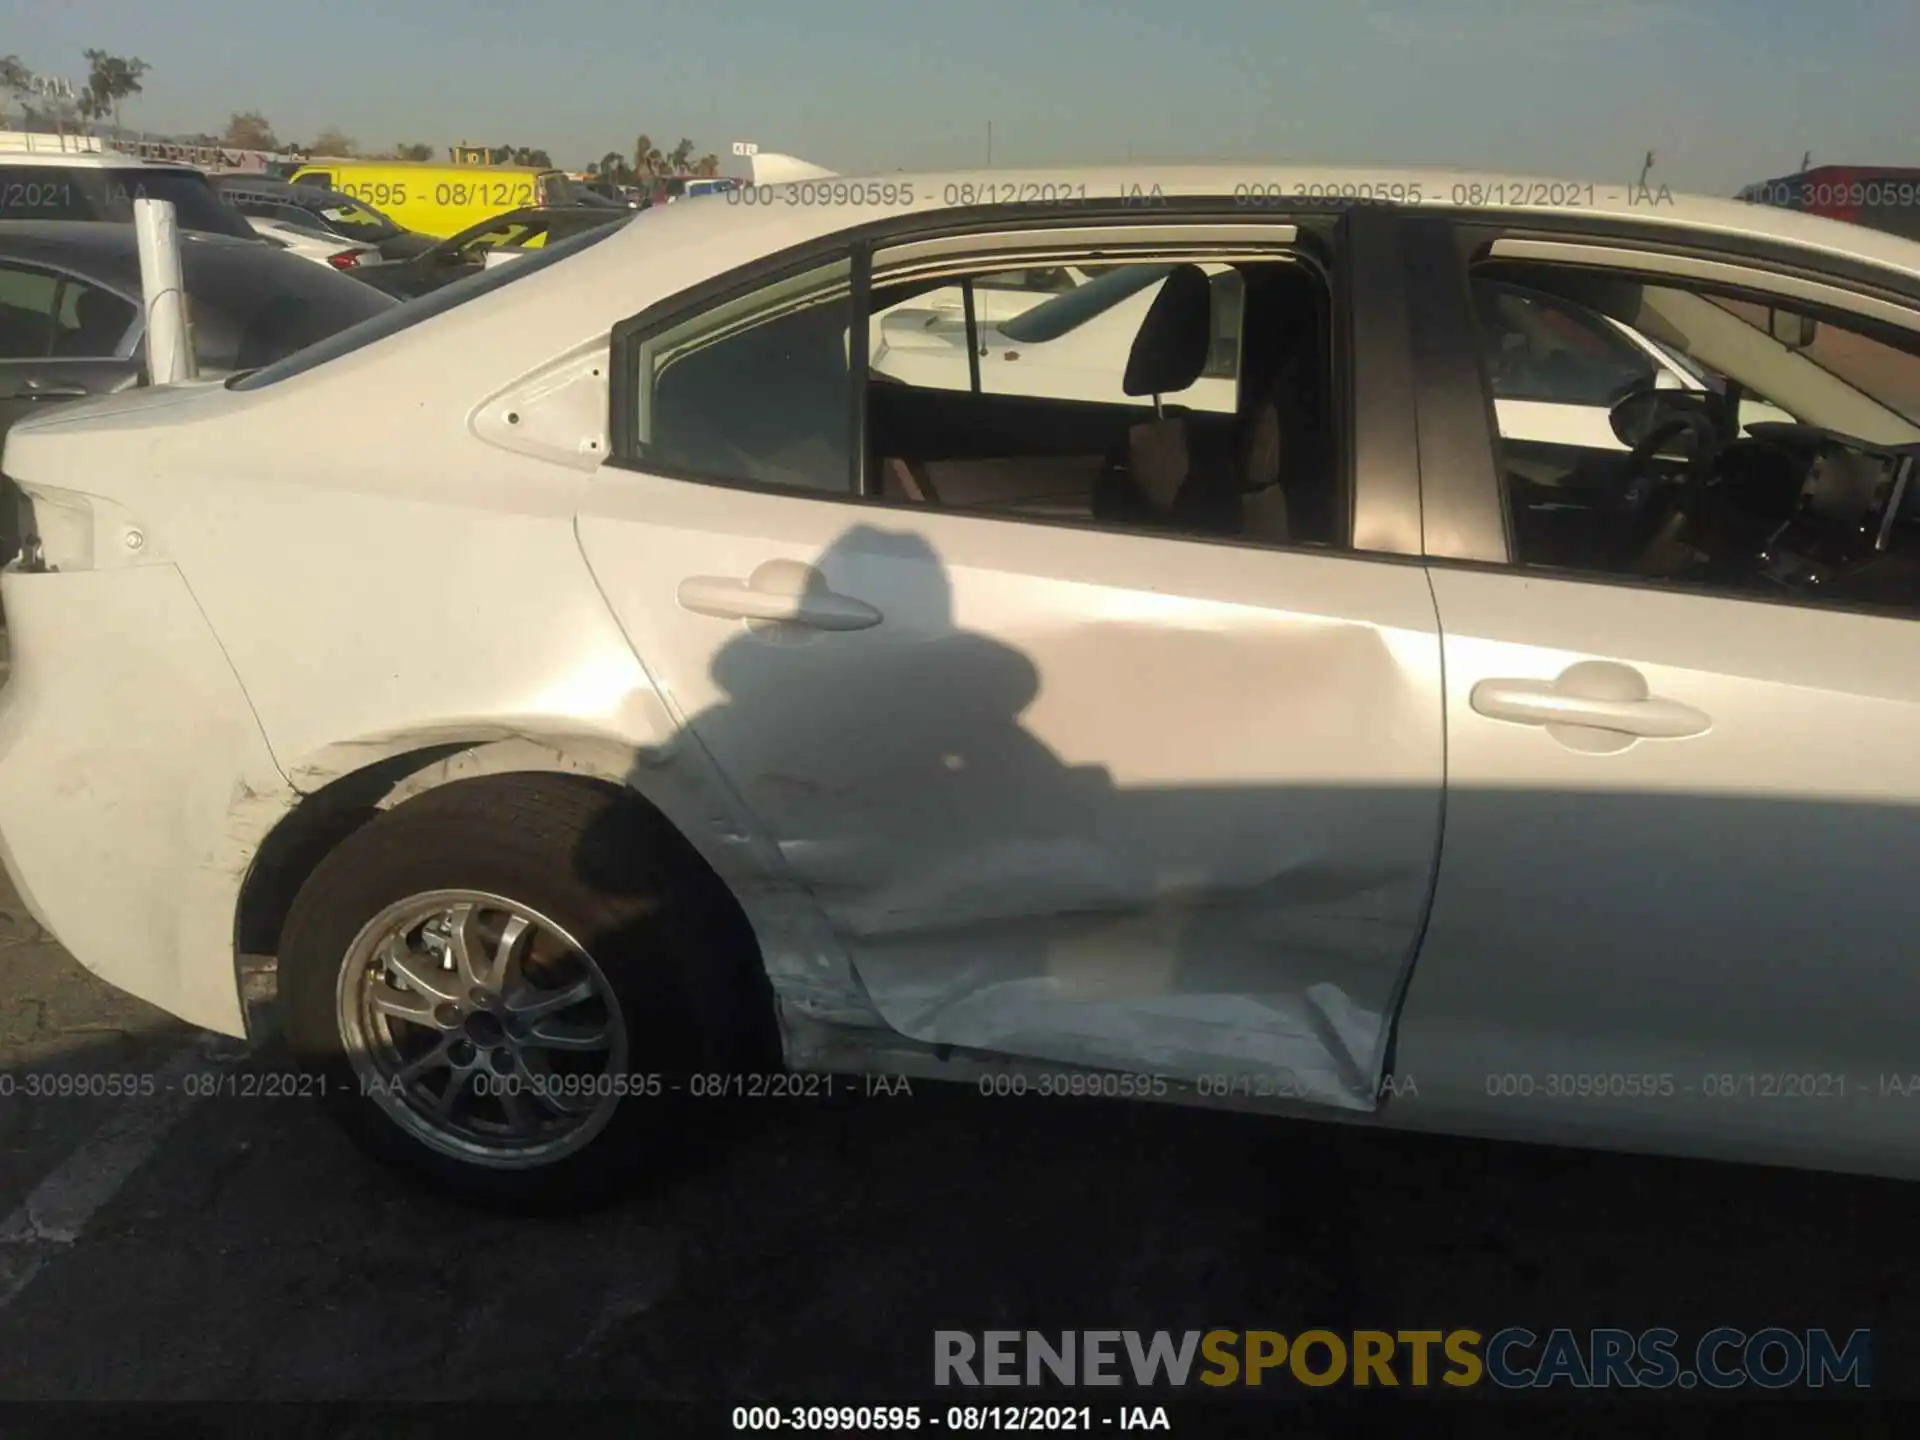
[1157, 482]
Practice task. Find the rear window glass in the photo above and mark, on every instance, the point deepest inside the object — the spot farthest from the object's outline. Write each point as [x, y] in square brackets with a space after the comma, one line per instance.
[403, 317]
[251, 307]
[60, 192]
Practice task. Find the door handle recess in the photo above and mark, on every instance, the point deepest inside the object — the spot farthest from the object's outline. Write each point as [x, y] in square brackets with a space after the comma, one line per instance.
[1596, 706]
[781, 592]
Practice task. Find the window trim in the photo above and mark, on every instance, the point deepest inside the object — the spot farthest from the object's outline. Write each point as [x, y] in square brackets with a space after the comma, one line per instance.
[973, 337]
[943, 232]
[1463, 508]
[859, 377]
[1737, 275]
[959, 240]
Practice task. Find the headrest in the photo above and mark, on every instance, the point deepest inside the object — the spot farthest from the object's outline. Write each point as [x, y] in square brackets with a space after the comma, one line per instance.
[1171, 349]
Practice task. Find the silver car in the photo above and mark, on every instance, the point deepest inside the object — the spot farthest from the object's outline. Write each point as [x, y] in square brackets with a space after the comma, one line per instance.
[653, 711]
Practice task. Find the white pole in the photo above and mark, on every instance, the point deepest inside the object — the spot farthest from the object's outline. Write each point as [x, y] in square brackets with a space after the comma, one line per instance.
[169, 355]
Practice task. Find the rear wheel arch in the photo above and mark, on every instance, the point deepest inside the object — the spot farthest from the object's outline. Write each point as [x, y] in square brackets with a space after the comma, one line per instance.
[325, 816]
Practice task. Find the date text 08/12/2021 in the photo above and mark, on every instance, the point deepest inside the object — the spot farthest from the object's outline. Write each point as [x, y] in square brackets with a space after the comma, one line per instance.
[1497, 194]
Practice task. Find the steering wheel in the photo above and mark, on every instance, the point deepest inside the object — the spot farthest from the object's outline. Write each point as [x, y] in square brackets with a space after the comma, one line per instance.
[1663, 513]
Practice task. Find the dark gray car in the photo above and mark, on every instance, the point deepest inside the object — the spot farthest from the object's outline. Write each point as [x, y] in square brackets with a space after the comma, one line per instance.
[104, 194]
[71, 322]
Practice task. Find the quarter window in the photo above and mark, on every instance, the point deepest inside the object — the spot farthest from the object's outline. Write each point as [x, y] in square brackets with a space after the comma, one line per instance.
[756, 390]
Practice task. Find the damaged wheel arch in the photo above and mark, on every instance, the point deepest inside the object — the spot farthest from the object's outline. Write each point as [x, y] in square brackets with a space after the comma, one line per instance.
[326, 816]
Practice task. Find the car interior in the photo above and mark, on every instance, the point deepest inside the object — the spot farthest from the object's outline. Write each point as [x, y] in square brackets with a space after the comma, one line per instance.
[1263, 473]
[1825, 508]
[1267, 472]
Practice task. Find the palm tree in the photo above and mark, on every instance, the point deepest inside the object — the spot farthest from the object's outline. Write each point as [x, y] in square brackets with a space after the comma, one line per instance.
[709, 164]
[681, 156]
[647, 158]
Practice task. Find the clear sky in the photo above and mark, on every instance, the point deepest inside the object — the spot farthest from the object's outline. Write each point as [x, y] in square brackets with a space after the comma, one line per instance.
[1726, 91]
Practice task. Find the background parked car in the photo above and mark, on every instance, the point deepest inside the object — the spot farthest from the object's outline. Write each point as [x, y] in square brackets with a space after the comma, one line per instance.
[317, 208]
[469, 251]
[440, 200]
[71, 322]
[600, 195]
[315, 245]
[64, 177]
[1881, 197]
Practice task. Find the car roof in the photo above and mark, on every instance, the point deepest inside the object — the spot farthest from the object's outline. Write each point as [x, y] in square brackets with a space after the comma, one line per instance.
[264, 184]
[109, 251]
[1273, 187]
[90, 160]
[355, 163]
[307, 197]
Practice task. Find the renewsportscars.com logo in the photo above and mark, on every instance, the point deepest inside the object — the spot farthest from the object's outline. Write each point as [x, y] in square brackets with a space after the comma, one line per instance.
[1515, 1358]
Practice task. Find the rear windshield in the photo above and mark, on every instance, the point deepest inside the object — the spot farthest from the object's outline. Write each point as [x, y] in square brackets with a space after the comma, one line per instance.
[62, 192]
[251, 306]
[403, 317]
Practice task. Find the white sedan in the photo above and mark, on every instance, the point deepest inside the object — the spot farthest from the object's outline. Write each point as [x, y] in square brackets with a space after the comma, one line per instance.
[312, 243]
[659, 710]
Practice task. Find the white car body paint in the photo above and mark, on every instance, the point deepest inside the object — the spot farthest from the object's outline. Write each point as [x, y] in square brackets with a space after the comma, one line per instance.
[474, 582]
[314, 244]
[1708, 850]
[988, 761]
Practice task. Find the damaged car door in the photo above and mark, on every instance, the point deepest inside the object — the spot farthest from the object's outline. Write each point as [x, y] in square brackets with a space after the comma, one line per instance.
[1138, 801]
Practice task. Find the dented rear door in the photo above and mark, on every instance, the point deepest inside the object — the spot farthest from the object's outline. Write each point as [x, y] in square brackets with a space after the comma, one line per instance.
[1107, 799]
[1126, 800]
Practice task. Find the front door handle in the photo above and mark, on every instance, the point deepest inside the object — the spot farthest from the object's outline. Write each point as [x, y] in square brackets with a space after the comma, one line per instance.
[37, 390]
[780, 591]
[1596, 706]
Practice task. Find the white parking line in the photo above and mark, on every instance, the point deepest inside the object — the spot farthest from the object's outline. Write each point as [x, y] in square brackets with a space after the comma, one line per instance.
[55, 1215]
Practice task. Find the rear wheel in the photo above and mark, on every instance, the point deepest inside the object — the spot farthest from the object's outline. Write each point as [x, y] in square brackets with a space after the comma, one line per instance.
[507, 983]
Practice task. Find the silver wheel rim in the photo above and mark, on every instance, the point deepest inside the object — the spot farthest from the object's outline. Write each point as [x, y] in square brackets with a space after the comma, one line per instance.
[482, 1028]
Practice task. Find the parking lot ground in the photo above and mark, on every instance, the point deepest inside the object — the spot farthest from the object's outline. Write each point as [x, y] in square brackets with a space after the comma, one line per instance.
[161, 1248]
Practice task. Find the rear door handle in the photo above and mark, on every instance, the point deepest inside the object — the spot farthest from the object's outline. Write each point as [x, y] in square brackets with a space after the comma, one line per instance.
[33, 390]
[1597, 706]
[783, 591]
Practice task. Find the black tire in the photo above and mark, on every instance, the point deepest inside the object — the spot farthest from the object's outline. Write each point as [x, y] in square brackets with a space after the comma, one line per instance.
[679, 958]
